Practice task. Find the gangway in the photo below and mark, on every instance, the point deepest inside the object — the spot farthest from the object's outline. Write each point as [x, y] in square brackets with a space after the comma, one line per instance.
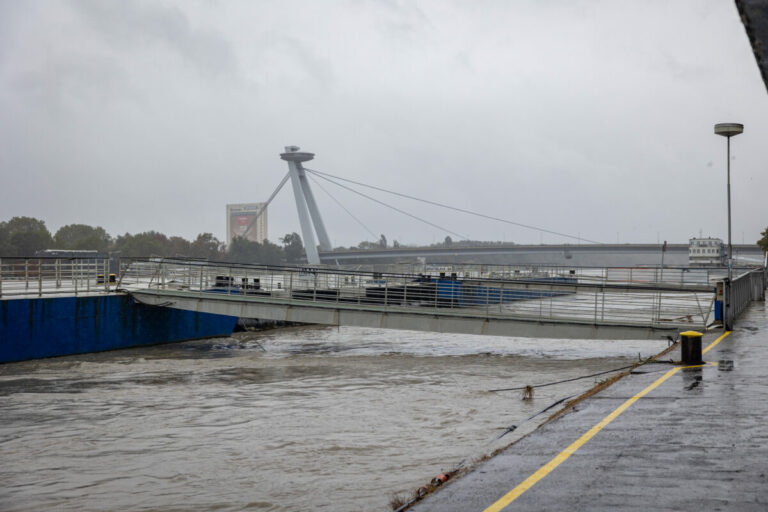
[546, 305]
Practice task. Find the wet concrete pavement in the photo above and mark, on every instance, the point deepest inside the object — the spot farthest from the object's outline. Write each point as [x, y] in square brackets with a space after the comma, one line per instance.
[696, 441]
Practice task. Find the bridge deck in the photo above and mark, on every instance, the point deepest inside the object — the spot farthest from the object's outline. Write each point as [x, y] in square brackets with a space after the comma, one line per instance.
[529, 304]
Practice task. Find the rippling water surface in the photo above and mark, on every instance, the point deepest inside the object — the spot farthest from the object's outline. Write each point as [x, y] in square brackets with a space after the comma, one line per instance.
[291, 419]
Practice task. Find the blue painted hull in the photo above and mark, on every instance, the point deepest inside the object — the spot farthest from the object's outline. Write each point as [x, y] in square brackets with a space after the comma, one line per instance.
[46, 327]
[455, 292]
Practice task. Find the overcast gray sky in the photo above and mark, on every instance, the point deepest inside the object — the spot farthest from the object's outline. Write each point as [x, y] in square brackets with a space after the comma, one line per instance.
[586, 117]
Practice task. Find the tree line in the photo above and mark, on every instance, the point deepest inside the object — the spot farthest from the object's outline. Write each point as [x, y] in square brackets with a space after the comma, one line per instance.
[25, 236]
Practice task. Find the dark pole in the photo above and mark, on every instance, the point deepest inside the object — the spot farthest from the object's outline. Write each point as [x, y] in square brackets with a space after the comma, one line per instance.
[728, 130]
[730, 247]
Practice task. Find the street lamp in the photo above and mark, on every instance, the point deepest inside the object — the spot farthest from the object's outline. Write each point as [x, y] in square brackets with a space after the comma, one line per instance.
[728, 130]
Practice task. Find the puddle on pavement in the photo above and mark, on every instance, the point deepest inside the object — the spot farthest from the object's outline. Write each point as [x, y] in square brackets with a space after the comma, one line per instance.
[725, 365]
[692, 379]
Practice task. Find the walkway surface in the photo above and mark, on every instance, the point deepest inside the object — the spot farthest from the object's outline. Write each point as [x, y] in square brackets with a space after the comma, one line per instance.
[683, 439]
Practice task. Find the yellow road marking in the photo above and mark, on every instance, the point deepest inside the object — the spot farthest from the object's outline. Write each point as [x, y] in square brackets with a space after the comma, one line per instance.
[570, 450]
[718, 340]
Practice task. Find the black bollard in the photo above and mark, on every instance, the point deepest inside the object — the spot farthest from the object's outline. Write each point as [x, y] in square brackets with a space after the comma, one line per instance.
[690, 347]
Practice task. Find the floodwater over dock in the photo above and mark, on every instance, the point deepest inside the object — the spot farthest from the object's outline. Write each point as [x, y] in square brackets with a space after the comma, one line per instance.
[291, 419]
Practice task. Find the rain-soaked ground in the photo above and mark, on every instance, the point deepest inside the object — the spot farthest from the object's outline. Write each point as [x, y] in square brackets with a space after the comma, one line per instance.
[292, 419]
[690, 439]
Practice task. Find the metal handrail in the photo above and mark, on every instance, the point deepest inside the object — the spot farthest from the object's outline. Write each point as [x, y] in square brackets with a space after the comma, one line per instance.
[636, 277]
[43, 276]
[537, 297]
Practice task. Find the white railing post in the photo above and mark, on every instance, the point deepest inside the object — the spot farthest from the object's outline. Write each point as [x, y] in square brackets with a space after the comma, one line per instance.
[541, 308]
[551, 298]
[121, 273]
[602, 308]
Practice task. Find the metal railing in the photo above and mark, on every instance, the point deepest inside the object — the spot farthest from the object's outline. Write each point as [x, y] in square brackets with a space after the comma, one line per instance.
[38, 277]
[597, 298]
[646, 275]
[745, 288]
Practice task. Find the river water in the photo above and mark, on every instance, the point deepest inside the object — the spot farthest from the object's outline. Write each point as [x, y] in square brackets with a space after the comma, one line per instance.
[307, 418]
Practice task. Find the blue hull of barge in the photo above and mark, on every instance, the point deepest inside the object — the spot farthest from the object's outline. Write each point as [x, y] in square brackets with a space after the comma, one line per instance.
[59, 326]
[475, 294]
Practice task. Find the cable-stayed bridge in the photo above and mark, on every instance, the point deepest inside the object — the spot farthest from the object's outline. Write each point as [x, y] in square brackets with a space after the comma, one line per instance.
[532, 300]
[313, 229]
[574, 250]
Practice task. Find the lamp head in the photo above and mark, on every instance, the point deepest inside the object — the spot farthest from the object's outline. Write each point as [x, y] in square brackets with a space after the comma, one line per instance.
[728, 129]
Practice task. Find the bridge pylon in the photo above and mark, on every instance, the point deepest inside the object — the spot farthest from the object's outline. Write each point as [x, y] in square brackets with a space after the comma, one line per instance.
[309, 214]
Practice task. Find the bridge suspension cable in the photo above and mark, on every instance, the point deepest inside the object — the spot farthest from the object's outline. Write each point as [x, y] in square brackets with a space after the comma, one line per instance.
[328, 177]
[264, 208]
[324, 177]
[342, 206]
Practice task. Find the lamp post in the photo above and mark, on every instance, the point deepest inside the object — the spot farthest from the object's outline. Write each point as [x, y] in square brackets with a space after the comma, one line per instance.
[728, 130]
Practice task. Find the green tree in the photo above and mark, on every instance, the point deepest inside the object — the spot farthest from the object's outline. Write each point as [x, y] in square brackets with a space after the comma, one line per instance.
[178, 246]
[763, 242]
[448, 241]
[366, 245]
[293, 248]
[82, 237]
[242, 250]
[23, 236]
[149, 243]
[383, 242]
[6, 249]
[206, 246]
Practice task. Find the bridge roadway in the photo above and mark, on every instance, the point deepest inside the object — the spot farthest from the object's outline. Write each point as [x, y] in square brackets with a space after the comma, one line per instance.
[607, 255]
[663, 438]
[544, 307]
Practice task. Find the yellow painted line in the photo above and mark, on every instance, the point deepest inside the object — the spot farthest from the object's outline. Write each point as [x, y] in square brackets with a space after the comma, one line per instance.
[570, 450]
[718, 340]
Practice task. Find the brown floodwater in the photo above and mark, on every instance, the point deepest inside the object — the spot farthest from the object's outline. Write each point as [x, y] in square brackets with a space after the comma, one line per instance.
[293, 419]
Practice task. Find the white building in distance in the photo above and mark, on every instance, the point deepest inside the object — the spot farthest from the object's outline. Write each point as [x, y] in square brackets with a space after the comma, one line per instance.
[706, 252]
[240, 222]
